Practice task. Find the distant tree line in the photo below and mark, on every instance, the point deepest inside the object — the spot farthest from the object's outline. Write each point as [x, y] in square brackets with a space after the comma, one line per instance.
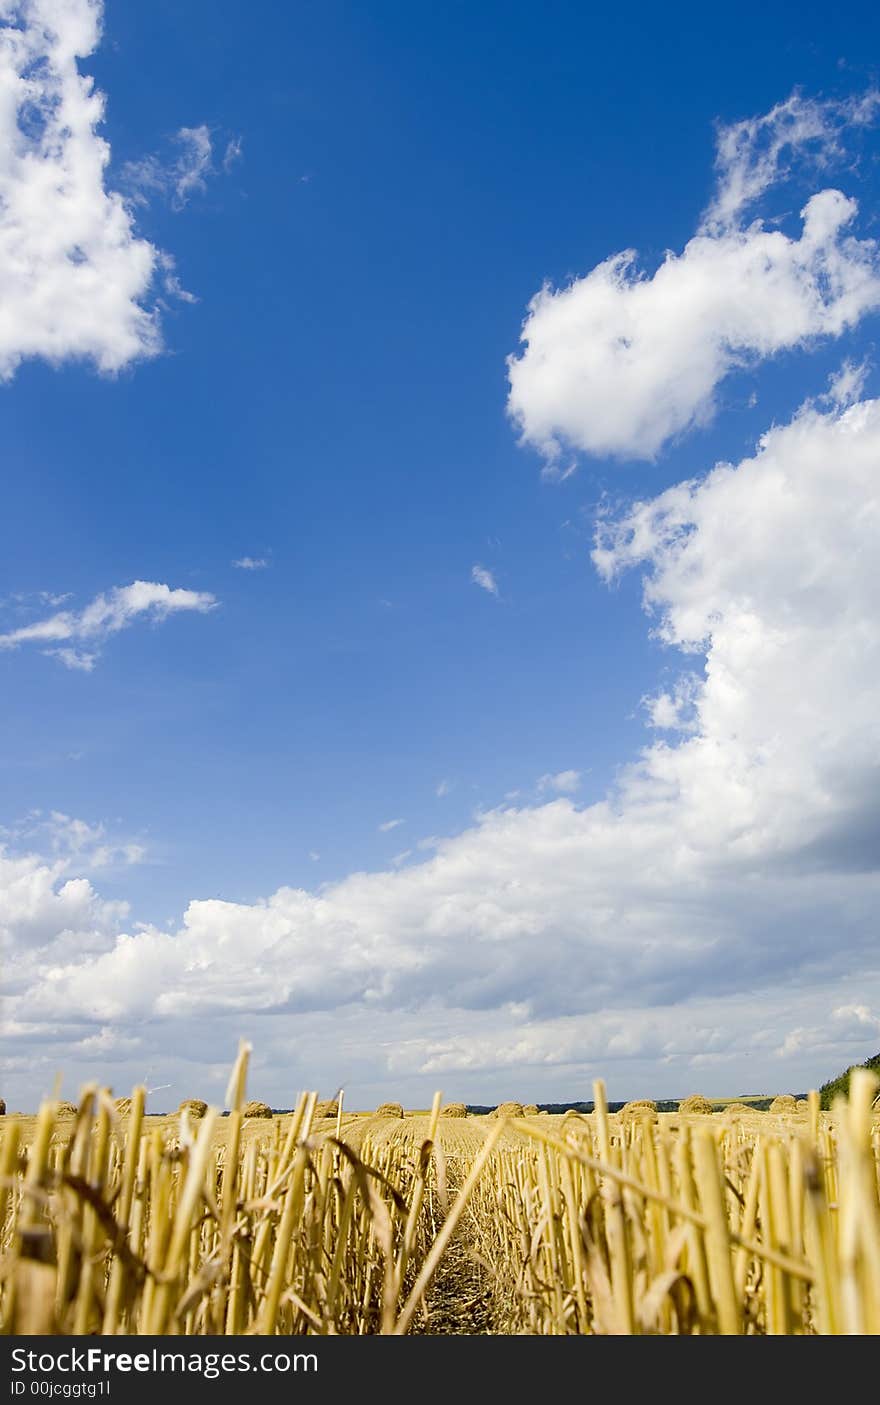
[839, 1086]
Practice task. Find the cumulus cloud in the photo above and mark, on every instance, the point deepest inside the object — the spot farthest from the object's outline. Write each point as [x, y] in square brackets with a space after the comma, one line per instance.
[106, 615]
[74, 276]
[483, 577]
[46, 912]
[620, 361]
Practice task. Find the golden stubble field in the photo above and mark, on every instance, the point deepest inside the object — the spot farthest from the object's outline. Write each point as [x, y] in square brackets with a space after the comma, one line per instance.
[732, 1222]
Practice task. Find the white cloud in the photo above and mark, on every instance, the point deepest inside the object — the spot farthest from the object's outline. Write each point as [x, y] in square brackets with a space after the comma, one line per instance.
[177, 178]
[759, 152]
[845, 387]
[105, 616]
[619, 362]
[232, 153]
[88, 845]
[251, 563]
[675, 710]
[562, 783]
[73, 842]
[44, 910]
[194, 163]
[77, 659]
[74, 277]
[388, 825]
[107, 1043]
[484, 578]
[443, 788]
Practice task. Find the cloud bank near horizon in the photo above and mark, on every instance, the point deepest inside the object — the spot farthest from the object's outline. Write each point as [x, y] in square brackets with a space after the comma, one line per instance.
[736, 859]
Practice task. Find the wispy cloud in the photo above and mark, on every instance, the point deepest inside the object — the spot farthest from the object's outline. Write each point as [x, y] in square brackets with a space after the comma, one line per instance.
[389, 825]
[483, 577]
[562, 783]
[846, 385]
[75, 842]
[251, 563]
[184, 172]
[443, 788]
[106, 615]
[759, 152]
[232, 153]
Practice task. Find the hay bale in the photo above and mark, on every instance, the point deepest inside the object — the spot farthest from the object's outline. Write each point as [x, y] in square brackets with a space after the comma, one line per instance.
[389, 1110]
[803, 1105]
[330, 1108]
[695, 1105]
[735, 1109]
[196, 1107]
[507, 1110]
[454, 1110]
[638, 1108]
[66, 1109]
[256, 1109]
[784, 1103]
[531, 1110]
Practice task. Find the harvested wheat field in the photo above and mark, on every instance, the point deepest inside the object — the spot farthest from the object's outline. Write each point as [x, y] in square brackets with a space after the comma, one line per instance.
[756, 1223]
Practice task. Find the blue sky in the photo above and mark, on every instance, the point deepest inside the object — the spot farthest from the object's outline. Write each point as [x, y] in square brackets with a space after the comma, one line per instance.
[383, 189]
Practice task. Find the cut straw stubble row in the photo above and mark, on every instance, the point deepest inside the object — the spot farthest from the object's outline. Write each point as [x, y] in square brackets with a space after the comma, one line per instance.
[591, 1224]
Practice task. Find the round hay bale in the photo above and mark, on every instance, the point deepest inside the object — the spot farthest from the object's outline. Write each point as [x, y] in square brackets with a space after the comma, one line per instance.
[803, 1105]
[256, 1109]
[454, 1110]
[735, 1109]
[507, 1110]
[531, 1110]
[66, 1109]
[123, 1106]
[196, 1107]
[329, 1108]
[640, 1107]
[784, 1103]
[389, 1110]
[695, 1105]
